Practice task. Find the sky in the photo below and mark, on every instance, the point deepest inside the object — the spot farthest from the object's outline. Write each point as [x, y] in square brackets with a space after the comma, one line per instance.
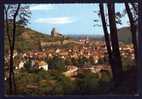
[69, 18]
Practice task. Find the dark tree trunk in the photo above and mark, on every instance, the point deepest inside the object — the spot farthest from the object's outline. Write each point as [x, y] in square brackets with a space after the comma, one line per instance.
[106, 34]
[7, 25]
[11, 74]
[10, 46]
[133, 29]
[117, 64]
[12, 84]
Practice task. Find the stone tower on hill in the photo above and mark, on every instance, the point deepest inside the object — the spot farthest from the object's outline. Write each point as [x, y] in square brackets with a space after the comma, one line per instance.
[54, 33]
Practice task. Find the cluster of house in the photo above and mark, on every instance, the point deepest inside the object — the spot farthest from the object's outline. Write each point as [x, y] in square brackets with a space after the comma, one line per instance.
[127, 51]
[72, 71]
[38, 64]
[87, 50]
[39, 58]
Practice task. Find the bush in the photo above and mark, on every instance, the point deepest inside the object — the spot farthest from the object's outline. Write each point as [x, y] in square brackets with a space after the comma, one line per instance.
[27, 65]
[105, 83]
[127, 64]
[54, 82]
[68, 86]
[57, 63]
[46, 87]
[24, 81]
[88, 83]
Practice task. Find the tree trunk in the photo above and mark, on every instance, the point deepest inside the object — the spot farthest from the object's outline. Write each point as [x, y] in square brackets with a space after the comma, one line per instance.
[7, 25]
[11, 89]
[11, 74]
[12, 84]
[117, 64]
[133, 29]
[107, 40]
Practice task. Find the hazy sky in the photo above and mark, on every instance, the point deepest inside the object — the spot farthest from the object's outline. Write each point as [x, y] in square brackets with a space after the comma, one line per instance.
[69, 18]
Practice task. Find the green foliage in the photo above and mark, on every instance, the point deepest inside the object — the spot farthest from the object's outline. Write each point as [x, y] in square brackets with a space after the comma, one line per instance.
[106, 76]
[43, 83]
[88, 83]
[23, 80]
[68, 61]
[26, 39]
[105, 83]
[23, 46]
[127, 63]
[46, 86]
[101, 61]
[57, 63]
[53, 82]
[82, 61]
[27, 65]
[74, 61]
[63, 84]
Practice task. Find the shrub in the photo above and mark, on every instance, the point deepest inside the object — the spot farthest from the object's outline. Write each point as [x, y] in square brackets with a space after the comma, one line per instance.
[105, 83]
[53, 82]
[88, 83]
[127, 64]
[57, 63]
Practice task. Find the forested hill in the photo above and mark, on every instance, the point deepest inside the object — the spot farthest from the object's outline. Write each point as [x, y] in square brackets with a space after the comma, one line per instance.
[27, 39]
[125, 35]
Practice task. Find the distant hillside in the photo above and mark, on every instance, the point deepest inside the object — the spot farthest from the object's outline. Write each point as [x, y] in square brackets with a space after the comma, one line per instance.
[29, 34]
[125, 35]
[28, 39]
